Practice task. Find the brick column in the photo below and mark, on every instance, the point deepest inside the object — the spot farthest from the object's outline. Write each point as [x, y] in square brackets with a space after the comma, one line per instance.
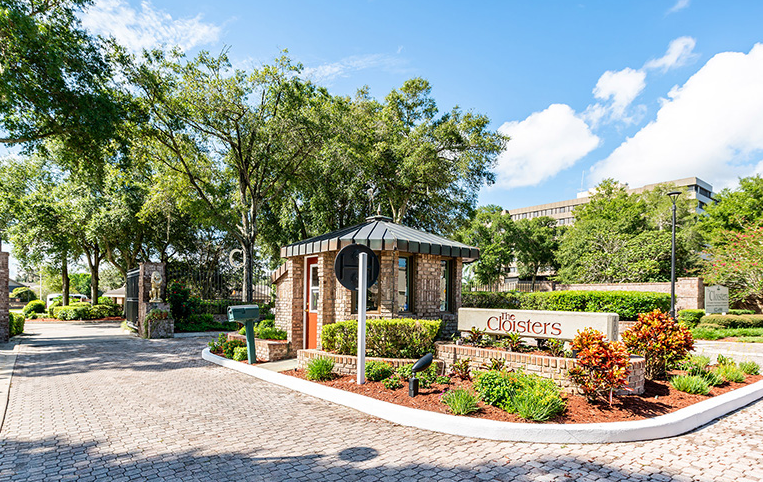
[5, 328]
[159, 329]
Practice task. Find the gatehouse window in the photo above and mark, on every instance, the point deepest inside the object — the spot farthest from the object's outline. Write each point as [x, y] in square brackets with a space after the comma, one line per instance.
[404, 284]
[446, 268]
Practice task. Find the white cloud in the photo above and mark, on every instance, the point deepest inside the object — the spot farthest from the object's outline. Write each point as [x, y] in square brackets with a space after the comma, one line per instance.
[343, 68]
[679, 5]
[620, 88]
[680, 52]
[711, 127]
[147, 28]
[542, 145]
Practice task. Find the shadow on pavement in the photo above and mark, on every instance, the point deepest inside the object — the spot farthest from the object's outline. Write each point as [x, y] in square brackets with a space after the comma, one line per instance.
[55, 459]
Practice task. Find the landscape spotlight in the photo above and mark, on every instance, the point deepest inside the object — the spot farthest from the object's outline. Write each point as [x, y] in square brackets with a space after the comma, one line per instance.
[421, 365]
[673, 197]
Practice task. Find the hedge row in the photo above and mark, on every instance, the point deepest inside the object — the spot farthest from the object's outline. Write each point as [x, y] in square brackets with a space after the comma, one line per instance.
[395, 338]
[733, 321]
[17, 324]
[627, 304]
[85, 311]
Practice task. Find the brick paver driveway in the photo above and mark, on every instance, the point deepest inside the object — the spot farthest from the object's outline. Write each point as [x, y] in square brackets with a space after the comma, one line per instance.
[86, 407]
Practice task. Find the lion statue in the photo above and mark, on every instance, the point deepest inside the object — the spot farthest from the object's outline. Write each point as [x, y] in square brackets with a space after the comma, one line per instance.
[156, 288]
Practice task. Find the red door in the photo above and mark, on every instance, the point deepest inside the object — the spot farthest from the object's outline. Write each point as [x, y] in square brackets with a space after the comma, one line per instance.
[311, 303]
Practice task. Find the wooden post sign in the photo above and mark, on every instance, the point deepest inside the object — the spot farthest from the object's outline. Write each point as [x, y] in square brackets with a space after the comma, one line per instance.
[716, 299]
[562, 325]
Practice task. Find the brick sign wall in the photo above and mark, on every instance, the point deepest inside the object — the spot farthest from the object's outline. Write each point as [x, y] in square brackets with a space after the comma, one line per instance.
[562, 325]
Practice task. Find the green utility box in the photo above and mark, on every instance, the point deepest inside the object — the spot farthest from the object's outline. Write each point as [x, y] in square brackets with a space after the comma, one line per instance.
[248, 315]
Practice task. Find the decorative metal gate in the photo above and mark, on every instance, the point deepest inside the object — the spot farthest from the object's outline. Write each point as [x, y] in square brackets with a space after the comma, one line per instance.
[131, 297]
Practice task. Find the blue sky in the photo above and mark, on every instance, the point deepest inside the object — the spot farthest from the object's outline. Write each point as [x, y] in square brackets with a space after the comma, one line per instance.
[642, 91]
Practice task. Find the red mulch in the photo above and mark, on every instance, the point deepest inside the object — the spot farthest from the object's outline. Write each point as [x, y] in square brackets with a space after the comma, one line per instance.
[658, 398]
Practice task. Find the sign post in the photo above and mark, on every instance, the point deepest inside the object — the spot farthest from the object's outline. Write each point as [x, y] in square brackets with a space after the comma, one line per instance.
[362, 296]
[357, 268]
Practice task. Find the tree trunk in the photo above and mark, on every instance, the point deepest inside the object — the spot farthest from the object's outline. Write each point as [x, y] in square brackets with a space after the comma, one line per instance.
[65, 282]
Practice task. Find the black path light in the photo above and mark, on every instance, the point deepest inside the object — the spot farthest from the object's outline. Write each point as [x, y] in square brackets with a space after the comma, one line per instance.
[421, 365]
[673, 197]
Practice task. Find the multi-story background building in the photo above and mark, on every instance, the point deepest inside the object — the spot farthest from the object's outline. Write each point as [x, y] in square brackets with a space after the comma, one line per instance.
[562, 211]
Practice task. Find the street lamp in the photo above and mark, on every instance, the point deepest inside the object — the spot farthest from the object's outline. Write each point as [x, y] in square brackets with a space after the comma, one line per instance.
[673, 197]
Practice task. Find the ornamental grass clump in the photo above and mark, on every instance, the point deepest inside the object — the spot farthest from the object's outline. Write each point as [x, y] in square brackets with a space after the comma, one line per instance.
[730, 373]
[661, 340]
[602, 366]
[693, 384]
[320, 369]
[460, 401]
[530, 396]
[749, 367]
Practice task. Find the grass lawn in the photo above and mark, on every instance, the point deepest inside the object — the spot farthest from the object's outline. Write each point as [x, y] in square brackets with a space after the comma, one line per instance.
[749, 335]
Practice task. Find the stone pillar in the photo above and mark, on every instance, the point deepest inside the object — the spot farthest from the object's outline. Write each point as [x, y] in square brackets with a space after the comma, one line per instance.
[5, 327]
[158, 328]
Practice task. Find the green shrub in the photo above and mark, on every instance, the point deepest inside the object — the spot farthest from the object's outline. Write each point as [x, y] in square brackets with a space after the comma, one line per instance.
[690, 384]
[660, 340]
[749, 367]
[377, 371]
[240, 353]
[442, 380]
[730, 373]
[460, 401]
[602, 365]
[105, 300]
[539, 399]
[426, 378]
[266, 330]
[182, 304]
[75, 311]
[24, 294]
[229, 347]
[512, 342]
[393, 383]
[725, 360]
[34, 306]
[733, 321]
[385, 338]
[320, 369]
[496, 387]
[751, 339]
[627, 304]
[714, 332]
[741, 312]
[16, 324]
[690, 318]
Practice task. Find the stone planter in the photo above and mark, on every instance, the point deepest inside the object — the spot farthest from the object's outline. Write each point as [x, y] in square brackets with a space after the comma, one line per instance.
[545, 366]
[267, 350]
[347, 364]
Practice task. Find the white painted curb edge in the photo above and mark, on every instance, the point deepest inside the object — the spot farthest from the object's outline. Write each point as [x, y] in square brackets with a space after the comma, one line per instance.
[668, 425]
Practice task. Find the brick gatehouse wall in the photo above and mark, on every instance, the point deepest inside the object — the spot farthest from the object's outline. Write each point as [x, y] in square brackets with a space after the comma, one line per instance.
[690, 292]
[335, 302]
[5, 328]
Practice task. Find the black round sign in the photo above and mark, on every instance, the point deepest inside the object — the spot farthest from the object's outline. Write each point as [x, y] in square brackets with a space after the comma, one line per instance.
[347, 265]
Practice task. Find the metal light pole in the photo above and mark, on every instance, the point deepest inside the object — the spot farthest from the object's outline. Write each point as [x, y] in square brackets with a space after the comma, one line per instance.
[673, 197]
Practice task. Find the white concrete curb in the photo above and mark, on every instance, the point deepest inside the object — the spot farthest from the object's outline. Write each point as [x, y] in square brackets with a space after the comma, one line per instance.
[668, 425]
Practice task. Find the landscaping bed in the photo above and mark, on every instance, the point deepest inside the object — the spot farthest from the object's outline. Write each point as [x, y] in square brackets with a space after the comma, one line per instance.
[658, 398]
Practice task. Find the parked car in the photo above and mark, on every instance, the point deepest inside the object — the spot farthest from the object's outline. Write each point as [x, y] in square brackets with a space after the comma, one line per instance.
[52, 297]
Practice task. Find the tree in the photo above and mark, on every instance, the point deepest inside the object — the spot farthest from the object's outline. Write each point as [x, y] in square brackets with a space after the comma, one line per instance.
[735, 209]
[619, 238]
[493, 231]
[737, 262]
[238, 138]
[56, 82]
[37, 219]
[536, 242]
[426, 169]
